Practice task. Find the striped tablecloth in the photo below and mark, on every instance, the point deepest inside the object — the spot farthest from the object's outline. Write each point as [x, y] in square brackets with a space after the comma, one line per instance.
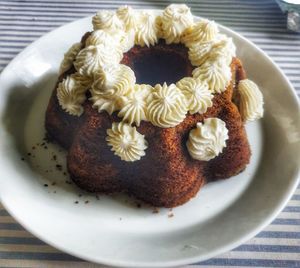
[23, 21]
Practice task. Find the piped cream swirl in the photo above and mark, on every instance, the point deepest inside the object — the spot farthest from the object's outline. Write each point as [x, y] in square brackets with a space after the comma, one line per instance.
[126, 142]
[207, 140]
[71, 95]
[113, 80]
[251, 100]
[69, 58]
[166, 106]
[134, 104]
[196, 92]
[107, 20]
[202, 31]
[92, 58]
[175, 19]
[217, 74]
[146, 33]
[128, 16]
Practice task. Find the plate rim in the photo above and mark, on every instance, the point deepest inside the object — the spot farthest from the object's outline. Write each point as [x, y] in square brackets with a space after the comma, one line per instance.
[295, 179]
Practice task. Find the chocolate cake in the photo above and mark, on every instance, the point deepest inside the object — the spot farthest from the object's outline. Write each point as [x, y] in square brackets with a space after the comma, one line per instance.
[165, 163]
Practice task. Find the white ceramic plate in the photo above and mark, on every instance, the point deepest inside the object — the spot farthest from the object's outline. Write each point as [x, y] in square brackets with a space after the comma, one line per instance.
[113, 230]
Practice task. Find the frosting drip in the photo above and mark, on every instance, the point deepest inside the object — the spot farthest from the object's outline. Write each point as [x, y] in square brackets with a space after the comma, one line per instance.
[126, 142]
[175, 19]
[134, 104]
[251, 100]
[207, 140]
[197, 94]
[166, 106]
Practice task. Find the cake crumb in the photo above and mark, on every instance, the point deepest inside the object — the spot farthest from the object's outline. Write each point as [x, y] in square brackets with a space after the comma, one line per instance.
[45, 185]
[23, 159]
[97, 197]
[170, 215]
[58, 167]
[87, 201]
[76, 202]
[155, 210]
[138, 205]
[53, 183]
[29, 154]
[120, 219]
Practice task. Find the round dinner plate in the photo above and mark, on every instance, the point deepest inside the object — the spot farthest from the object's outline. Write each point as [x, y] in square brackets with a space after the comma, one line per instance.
[115, 230]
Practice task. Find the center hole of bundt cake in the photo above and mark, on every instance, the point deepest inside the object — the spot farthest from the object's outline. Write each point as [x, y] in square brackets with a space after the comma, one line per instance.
[158, 64]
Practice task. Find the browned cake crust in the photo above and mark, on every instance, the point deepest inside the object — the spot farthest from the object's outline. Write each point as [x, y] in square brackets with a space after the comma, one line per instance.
[166, 176]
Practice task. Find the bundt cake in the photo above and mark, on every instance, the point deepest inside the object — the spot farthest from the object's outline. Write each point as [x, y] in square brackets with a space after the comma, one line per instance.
[153, 105]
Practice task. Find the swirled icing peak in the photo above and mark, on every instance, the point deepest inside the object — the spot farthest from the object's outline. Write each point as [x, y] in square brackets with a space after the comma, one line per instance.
[207, 140]
[103, 37]
[126, 142]
[113, 80]
[93, 58]
[146, 33]
[217, 75]
[107, 20]
[175, 19]
[128, 16]
[166, 106]
[134, 104]
[251, 100]
[102, 102]
[199, 52]
[69, 58]
[197, 94]
[202, 31]
[71, 94]
[223, 48]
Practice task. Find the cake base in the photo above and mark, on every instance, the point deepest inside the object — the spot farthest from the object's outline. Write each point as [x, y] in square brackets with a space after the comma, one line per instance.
[166, 176]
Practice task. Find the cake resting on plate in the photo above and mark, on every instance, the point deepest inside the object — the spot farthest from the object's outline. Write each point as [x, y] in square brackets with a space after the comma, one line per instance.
[153, 105]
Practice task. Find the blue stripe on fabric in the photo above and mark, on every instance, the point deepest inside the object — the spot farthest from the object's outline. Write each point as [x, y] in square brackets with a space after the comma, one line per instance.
[268, 248]
[279, 234]
[251, 262]
[296, 197]
[39, 20]
[279, 221]
[21, 241]
[11, 226]
[291, 208]
[83, 8]
[37, 256]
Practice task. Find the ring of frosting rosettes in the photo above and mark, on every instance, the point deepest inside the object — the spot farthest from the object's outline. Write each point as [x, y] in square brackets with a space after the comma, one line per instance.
[113, 85]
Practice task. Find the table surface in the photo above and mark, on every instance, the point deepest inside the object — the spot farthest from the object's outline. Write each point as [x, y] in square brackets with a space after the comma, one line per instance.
[22, 22]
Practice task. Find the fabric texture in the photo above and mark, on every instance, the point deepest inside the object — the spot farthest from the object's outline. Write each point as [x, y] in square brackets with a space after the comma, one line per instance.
[22, 22]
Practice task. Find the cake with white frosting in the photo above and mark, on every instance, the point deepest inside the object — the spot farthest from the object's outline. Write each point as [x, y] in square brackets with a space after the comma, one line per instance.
[153, 104]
